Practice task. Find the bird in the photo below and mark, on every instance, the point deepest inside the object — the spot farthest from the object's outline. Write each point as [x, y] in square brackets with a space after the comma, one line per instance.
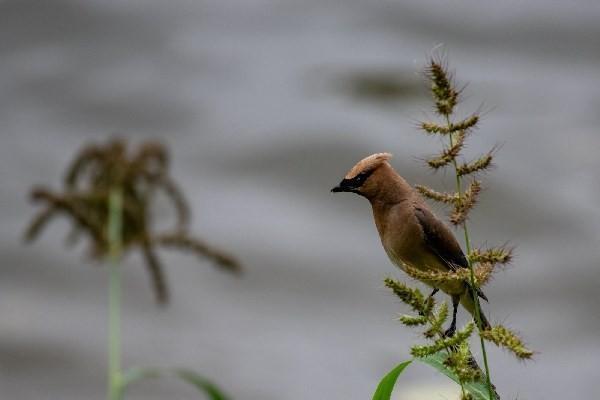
[410, 232]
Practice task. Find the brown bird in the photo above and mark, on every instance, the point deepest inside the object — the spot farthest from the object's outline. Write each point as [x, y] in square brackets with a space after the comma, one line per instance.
[410, 233]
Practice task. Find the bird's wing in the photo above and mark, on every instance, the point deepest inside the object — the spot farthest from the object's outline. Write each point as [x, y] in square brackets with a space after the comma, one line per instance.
[440, 239]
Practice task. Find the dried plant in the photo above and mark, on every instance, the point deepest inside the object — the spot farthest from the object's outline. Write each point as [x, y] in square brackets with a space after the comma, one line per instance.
[452, 355]
[98, 169]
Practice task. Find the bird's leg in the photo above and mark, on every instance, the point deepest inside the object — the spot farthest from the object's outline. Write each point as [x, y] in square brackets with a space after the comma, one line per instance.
[433, 292]
[452, 329]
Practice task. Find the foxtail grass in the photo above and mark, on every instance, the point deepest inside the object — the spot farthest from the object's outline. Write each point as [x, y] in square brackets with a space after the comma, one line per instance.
[115, 211]
[108, 196]
[452, 355]
[138, 173]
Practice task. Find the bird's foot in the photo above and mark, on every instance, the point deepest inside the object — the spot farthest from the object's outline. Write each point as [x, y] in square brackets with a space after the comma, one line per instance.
[450, 331]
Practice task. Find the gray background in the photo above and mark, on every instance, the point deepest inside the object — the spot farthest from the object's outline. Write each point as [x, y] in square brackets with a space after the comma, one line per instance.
[259, 105]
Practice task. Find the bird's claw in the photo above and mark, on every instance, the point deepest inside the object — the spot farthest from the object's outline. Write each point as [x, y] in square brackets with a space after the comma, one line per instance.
[450, 331]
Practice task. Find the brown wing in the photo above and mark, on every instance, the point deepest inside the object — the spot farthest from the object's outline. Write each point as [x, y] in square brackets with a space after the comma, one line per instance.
[440, 239]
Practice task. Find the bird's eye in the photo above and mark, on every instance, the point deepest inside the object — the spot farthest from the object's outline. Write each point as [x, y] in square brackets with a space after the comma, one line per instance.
[360, 178]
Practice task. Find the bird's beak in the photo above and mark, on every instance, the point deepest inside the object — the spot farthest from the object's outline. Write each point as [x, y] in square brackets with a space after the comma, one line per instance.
[344, 186]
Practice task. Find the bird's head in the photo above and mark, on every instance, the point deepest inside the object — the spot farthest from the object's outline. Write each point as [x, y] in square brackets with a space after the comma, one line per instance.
[362, 179]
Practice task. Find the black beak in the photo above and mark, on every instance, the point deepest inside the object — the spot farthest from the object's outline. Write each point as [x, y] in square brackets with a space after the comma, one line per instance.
[344, 186]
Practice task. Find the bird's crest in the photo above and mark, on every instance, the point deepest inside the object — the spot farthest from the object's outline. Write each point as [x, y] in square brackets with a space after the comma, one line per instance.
[368, 164]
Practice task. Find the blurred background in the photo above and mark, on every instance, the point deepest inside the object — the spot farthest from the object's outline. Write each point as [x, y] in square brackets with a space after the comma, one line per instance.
[265, 105]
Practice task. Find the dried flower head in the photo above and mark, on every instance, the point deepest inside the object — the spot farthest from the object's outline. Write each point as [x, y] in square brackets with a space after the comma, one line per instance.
[494, 255]
[482, 273]
[95, 171]
[411, 296]
[452, 127]
[459, 337]
[504, 337]
[437, 322]
[448, 198]
[444, 93]
[449, 154]
[465, 204]
[461, 363]
[482, 163]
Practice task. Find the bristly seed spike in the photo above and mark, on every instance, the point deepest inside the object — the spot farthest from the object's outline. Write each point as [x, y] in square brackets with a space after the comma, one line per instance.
[480, 263]
[412, 297]
[494, 255]
[482, 163]
[449, 154]
[448, 198]
[504, 337]
[464, 125]
[95, 172]
[444, 93]
[466, 203]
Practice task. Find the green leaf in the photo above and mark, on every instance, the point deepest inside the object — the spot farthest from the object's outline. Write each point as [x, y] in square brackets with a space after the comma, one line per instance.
[478, 388]
[386, 386]
[135, 374]
[201, 383]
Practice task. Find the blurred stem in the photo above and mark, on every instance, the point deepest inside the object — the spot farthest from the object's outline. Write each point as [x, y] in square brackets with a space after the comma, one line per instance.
[115, 221]
[472, 277]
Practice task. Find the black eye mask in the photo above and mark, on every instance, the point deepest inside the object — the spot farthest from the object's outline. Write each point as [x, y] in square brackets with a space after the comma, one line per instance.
[352, 185]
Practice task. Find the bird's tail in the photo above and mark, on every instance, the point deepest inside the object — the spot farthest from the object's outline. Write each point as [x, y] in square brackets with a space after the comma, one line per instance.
[468, 303]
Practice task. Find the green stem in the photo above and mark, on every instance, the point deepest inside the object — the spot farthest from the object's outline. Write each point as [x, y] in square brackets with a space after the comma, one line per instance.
[115, 209]
[472, 279]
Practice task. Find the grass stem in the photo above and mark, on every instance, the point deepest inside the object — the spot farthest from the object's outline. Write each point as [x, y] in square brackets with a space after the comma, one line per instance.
[115, 208]
[472, 276]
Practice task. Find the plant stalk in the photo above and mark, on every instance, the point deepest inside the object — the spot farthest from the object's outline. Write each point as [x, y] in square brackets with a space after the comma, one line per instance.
[115, 221]
[472, 279]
